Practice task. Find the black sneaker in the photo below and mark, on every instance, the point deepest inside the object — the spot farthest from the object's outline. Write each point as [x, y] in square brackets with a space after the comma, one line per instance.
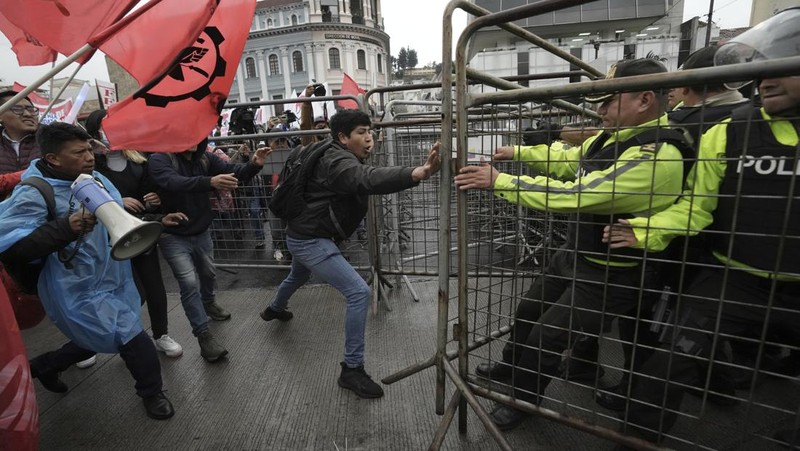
[507, 418]
[268, 315]
[51, 381]
[496, 371]
[210, 348]
[216, 312]
[158, 407]
[357, 380]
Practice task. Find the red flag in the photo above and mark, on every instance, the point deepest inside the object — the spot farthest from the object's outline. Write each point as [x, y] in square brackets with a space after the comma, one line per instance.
[63, 25]
[147, 45]
[350, 87]
[19, 415]
[29, 51]
[175, 111]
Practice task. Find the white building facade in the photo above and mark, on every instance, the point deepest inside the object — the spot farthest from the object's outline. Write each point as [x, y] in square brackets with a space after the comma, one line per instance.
[599, 33]
[295, 43]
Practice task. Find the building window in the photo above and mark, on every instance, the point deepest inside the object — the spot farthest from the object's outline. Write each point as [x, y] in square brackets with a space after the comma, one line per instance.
[269, 23]
[294, 19]
[297, 61]
[357, 11]
[250, 68]
[361, 56]
[333, 58]
[255, 99]
[330, 13]
[380, 63]
[274, 67]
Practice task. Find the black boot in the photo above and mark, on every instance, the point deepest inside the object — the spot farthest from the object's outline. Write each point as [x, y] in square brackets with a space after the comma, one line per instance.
[158, 406]
[496, 371]
[357, 380]
[50, 380]
[507, 418]
[613, 398]
[47, 367]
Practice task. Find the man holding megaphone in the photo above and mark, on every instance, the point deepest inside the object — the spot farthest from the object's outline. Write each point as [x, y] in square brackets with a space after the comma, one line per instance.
[89, 296]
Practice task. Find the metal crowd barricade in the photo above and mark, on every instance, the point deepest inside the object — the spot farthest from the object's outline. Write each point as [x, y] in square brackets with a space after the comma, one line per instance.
[489, 285]
[246, 234]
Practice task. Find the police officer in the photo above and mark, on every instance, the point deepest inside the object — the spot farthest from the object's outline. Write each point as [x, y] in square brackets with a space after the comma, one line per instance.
[629, 169]
[740, 190]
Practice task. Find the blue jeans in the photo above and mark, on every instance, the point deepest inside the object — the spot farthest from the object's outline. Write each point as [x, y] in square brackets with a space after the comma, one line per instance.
[192, 261]
[255, 214]
[321, 257]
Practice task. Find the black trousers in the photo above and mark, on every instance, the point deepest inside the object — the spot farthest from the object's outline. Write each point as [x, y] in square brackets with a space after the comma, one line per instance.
[139, 354]
[686, 360]
[572, 299]
[147, 275]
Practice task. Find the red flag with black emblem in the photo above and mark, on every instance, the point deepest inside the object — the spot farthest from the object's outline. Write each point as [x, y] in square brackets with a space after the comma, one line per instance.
[147, 45]
[180, 106]
[61, 25]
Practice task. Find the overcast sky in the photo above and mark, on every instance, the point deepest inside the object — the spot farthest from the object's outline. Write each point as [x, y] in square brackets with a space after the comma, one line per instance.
[416, 24]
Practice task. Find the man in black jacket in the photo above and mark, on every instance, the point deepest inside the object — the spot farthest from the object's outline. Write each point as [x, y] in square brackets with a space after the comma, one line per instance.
[336, 197]
[184, 182]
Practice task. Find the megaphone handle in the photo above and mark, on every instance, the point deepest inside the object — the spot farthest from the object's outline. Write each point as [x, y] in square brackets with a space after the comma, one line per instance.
[62, 254]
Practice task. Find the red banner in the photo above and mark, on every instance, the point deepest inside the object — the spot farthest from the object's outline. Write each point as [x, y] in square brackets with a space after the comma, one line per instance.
[177, 109]
[350, 87]
[29, 51]
[152, 42]
[57, 113]
[63, 25]
[19, 414]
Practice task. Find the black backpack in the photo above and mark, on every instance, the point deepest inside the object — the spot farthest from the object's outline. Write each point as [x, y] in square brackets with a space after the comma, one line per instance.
[288, 196]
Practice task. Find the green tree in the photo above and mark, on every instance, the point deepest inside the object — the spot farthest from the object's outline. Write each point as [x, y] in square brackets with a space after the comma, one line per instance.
[412, 58]
[402, 59]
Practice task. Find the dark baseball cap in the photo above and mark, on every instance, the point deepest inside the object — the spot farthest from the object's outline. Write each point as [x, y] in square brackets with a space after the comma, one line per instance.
[700, 58]
[628, 68]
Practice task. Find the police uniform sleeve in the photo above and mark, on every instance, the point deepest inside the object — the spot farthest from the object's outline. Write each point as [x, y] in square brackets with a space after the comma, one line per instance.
[559, 159]
[694, 210]
[639, 180]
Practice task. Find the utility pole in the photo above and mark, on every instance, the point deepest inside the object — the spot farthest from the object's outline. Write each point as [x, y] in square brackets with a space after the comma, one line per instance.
[708, 25]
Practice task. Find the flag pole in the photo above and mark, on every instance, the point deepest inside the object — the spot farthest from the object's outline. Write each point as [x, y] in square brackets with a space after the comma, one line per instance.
[103, 36]
[53, 100]
[44, 78]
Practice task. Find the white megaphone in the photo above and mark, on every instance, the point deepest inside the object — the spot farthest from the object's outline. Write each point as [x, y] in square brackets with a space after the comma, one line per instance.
[129, 235]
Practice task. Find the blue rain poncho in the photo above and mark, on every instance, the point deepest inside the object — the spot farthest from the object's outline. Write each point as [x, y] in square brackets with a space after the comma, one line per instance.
[95, 302]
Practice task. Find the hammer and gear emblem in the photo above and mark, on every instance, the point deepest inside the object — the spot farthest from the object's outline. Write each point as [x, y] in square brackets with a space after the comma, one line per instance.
[192, 73]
